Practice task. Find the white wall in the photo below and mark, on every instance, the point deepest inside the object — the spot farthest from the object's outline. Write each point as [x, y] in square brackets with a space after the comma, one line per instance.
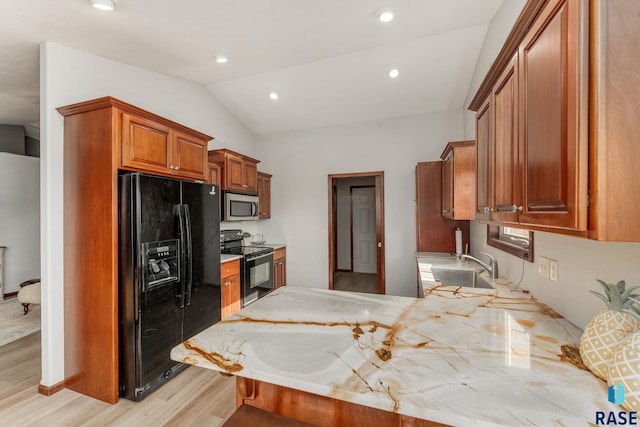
[301, 163]
[581, 261]
[19, 218]
[69, 76]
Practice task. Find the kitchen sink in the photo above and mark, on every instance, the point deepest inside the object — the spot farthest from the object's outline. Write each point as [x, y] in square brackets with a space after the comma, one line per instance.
[466, 278]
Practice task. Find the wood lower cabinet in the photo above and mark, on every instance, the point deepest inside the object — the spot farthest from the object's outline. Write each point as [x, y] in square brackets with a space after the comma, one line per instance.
[239, 172]
[150, 145]
[231, 293]
[459, 180]
[318, 410]
[264, 195]
[100, 137]
[279, 268]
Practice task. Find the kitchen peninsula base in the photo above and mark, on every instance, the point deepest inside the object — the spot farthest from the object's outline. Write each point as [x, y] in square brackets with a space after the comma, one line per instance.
[318, 410]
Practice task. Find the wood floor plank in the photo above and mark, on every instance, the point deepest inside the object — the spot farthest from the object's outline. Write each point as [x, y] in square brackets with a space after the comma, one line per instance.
[196, 397]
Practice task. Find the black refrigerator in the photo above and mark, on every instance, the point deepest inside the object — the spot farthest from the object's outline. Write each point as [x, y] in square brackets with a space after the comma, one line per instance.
[169, 274]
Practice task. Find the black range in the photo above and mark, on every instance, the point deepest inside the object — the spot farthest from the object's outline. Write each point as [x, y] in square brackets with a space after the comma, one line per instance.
[256, 265]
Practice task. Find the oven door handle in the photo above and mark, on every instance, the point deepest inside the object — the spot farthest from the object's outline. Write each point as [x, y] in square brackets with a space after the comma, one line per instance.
[259, 256]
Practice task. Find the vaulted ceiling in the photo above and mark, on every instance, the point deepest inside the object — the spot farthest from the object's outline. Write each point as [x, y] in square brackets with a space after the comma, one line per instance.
[327, 59]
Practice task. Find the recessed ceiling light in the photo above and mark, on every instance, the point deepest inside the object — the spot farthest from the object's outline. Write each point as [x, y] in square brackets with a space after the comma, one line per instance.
[394, 72]
[386, 15]
[221, 59]
[104, 4]
[273, 95]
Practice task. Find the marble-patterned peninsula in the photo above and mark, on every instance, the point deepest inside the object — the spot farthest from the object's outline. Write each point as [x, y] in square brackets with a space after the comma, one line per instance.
[460, 356]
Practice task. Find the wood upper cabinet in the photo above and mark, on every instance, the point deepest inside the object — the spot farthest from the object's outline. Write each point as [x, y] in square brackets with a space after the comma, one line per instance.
[614, 148]
[152, 146]
[239, 172]
[459, 180]
[434, 233]
[504, 160]
[552, 118]
[279, 268]
[264, 195]
[231, 301]
[484, 164]
[543, 110]
[215, 171]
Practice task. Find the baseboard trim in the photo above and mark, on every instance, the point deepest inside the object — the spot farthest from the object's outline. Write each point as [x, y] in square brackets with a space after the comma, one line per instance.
[49, 390]
[10, 295]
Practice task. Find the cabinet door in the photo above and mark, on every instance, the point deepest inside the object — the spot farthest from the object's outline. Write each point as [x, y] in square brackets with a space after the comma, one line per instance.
[234, 173]
[231, 302]
[264, 195]
[214, 174]
[506, 190]
[552, 122]
[250, 173]
[484, 167]
[189, 157]
[146, 145]
[279, 273]
[447, 187]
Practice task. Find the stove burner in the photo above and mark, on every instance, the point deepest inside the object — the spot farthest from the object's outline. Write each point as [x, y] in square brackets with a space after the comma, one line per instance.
[231, 243]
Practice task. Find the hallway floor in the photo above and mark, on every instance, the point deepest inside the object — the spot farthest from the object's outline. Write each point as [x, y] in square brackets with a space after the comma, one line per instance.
[355, 282]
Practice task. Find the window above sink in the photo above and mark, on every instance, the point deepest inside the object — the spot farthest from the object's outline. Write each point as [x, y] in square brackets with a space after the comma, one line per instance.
[516, 241]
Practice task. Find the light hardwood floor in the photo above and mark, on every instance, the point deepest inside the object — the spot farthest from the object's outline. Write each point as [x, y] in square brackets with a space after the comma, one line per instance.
[196, 397]
[355, 282]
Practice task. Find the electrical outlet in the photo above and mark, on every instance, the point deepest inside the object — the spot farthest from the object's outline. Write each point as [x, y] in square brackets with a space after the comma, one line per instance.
[553, 270]
[543, 267]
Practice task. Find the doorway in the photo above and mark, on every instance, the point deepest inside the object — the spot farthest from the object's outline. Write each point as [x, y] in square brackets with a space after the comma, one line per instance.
[356, 232]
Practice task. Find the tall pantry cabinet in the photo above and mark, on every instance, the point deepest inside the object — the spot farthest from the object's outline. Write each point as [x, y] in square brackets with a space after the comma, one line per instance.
[101, 137]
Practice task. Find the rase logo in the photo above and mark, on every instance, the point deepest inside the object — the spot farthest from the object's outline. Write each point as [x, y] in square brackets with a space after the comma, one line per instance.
[620, 418]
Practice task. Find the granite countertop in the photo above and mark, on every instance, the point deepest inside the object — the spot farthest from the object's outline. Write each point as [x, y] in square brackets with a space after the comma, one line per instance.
[227, 257]
[275, 245]
[459, 357]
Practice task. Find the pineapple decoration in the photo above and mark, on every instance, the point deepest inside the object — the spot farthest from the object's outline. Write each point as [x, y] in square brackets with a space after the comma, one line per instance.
[604, 334]
[624, 369]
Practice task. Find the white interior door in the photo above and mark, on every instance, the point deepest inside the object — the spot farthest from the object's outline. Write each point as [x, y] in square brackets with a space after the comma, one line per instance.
[363, 202]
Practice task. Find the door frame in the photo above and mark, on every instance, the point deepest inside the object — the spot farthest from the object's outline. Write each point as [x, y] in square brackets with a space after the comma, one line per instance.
[380, 251]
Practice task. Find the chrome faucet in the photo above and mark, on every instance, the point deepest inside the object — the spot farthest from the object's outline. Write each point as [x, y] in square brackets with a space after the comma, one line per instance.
[492, 267]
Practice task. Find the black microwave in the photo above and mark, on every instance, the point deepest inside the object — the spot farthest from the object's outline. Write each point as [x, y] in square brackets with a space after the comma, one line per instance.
[239, 207]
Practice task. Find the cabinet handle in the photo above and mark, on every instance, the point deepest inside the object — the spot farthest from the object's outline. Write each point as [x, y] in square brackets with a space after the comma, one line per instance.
[509, 208]
[177, 167]
[444, 211]
[171, 167]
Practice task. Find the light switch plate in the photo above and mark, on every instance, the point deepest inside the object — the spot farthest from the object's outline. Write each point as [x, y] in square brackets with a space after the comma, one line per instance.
[553, 270]
[543, 267]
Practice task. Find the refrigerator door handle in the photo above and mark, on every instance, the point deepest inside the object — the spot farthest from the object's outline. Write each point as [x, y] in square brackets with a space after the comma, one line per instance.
[187, 220]
[178, 210]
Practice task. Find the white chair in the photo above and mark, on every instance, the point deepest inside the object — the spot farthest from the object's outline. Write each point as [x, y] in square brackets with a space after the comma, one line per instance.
[29, 293]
